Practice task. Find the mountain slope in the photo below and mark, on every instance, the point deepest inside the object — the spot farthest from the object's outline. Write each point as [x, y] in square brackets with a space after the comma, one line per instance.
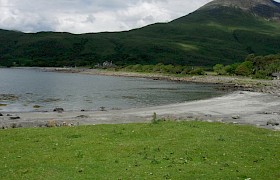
[263, 8]
[223, 31]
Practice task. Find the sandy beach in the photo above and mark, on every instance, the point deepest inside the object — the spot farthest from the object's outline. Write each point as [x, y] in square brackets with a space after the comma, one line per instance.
[240, 107]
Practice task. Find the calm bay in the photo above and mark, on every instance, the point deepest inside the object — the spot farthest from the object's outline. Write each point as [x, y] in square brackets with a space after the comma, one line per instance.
[27, 90]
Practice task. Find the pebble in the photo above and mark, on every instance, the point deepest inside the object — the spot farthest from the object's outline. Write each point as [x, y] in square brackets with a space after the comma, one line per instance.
[272, 122]
[14, 118]
[59, 110]
[236, 117]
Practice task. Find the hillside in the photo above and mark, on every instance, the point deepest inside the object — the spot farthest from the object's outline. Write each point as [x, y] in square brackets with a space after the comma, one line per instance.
[263, 8]
[223, 31]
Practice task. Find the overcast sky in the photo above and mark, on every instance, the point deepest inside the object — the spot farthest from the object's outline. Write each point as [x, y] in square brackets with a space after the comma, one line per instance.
[81, 16]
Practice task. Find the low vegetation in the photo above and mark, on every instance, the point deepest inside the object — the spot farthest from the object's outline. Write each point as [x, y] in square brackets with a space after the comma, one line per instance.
[256, 66]
[161, 150]
[163, 69]
[259, 67]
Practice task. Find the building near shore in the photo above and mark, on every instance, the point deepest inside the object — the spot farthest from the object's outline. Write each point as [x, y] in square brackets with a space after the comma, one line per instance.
[276, 75]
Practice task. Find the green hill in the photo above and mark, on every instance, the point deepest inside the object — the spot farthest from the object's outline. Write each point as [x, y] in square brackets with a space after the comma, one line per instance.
[223, 31]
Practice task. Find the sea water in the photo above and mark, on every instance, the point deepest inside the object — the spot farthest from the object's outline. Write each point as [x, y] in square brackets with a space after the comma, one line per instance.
[25, 90]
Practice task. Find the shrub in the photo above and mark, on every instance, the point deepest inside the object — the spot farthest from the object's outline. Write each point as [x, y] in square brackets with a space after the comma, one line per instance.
[147, 68]
[261, 74]
[158, 67]
[219, 69]
[168, 69]
[230, 69]
[245, 69]
[177, 70]
[273, 67]
[137, 68]
[198, 71]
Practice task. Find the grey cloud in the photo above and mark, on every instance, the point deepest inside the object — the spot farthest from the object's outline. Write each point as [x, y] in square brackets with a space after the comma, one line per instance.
[90, 19]
[149, 18]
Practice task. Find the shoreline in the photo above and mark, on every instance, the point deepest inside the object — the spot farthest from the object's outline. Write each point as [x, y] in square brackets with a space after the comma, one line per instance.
[232, 83]
[240, 107]
[255, 103]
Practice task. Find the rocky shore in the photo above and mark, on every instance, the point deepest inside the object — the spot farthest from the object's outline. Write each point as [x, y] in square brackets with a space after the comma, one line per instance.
[240, 107]
[249, 101]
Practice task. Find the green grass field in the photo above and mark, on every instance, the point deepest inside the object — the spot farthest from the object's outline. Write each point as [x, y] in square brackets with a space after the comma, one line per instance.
[167, 150]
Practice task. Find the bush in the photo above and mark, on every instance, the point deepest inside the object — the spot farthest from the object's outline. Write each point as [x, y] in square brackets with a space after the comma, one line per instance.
[197, 71]
[186, 70]
[230, 69]
[168, 69]
[137, 68]
[219, 69]
[158, 67]
[261, 74]
[147, 68]
[273, 67]
[178, 69]
[245, 69]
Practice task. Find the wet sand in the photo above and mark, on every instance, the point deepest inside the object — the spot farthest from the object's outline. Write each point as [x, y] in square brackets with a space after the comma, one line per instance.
[240, 107]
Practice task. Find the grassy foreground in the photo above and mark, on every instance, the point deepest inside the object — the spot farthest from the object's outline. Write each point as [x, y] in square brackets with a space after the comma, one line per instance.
[166, 150]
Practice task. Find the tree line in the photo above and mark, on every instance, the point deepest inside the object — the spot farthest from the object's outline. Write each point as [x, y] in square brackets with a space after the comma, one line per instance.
[260, 67]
